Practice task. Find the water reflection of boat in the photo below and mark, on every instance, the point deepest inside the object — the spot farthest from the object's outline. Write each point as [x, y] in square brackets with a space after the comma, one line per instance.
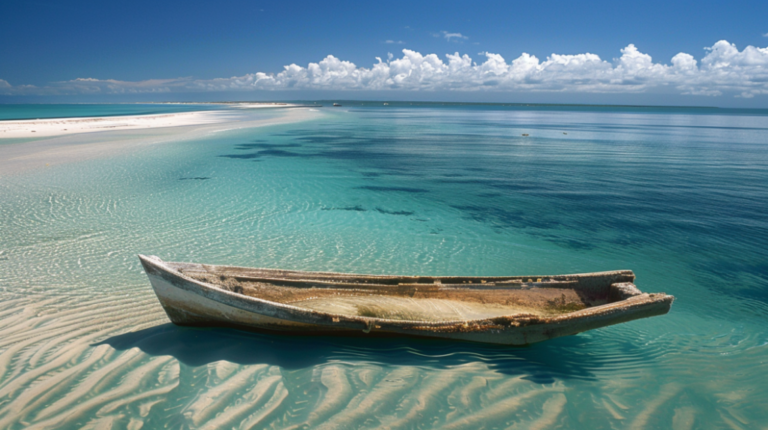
[504, 310]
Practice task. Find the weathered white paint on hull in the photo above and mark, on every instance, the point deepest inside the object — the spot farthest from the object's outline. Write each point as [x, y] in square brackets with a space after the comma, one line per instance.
[185, 308]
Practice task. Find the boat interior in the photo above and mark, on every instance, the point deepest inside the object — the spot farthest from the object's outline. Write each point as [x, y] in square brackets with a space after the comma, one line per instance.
[419, 298]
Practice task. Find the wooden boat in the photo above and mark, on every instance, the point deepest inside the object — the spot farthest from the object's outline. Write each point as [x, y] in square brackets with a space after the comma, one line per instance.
[516, 310]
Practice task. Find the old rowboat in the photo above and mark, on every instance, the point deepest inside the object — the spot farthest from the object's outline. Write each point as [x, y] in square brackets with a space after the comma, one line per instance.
[516, 310]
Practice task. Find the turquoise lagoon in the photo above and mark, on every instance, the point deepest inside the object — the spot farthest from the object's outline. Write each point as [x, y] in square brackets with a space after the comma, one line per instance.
[678, 195]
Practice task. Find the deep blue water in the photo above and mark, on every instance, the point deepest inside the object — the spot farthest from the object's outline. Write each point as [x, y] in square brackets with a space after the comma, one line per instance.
[676, 195]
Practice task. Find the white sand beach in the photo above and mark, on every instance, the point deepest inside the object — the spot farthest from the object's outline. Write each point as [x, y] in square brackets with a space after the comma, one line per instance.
[59, 126]
[74, 139]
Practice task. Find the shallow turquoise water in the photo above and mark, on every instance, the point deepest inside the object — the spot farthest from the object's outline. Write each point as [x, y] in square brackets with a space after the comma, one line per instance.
[677, 196]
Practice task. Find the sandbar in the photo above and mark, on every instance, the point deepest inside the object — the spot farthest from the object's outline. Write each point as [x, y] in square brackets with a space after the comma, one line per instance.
[59, 126]
[74, 139]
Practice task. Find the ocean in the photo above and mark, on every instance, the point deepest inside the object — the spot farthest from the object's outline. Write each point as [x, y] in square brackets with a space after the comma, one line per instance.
[678, 195]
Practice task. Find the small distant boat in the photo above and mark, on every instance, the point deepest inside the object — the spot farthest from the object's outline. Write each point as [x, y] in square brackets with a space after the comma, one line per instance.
[337, 105]
[386, 104]
[516, 310]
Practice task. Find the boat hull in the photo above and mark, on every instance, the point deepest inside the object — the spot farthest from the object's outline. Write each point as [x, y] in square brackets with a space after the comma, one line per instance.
[189, 302]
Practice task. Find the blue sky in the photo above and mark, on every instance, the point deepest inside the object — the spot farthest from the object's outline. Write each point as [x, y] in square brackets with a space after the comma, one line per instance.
[190, 50]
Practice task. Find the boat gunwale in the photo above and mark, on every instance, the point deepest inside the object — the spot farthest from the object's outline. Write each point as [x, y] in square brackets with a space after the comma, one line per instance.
[339, 320]
[346, 274]
[361, 286]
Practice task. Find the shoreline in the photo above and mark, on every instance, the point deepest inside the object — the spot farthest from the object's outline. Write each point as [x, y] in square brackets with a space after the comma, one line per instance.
[68, 146]
[65, 126]
[45, 127]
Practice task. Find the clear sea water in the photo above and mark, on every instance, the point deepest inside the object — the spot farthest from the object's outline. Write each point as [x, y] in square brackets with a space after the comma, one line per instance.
[678, 195]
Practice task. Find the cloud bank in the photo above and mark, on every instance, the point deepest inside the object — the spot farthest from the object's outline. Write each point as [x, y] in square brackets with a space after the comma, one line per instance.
[723, 70]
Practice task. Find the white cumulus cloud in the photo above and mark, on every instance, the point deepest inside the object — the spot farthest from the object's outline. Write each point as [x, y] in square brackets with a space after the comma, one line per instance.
[394, 42]
[112, 86]
[722, 70]
[448, 35]
[7, 89]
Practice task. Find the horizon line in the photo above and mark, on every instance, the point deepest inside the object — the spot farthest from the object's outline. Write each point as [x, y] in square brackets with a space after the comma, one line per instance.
[389, 101]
